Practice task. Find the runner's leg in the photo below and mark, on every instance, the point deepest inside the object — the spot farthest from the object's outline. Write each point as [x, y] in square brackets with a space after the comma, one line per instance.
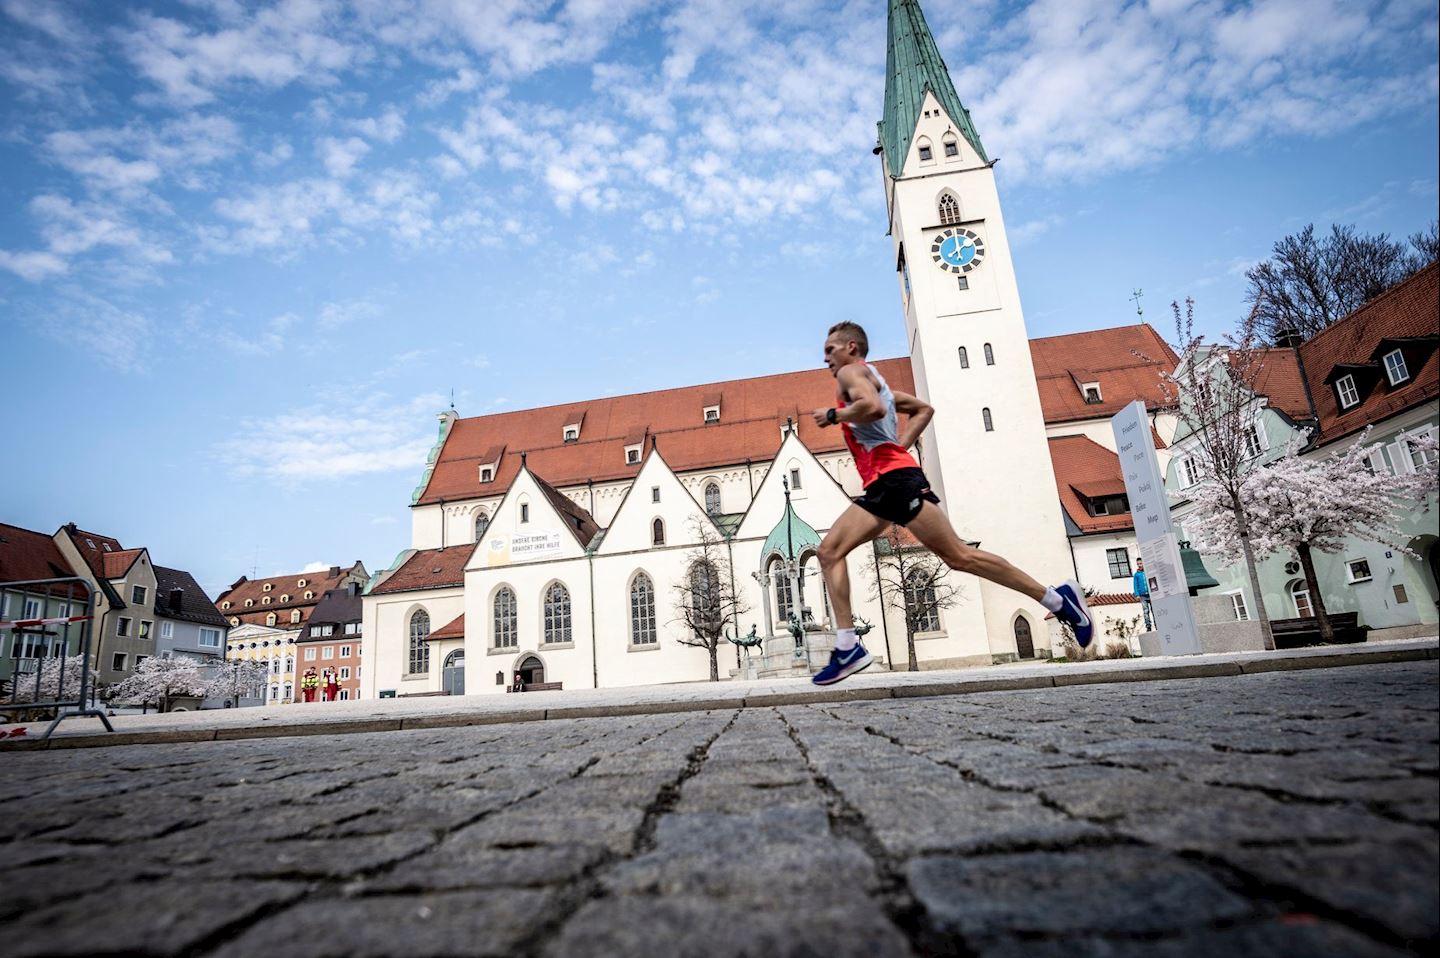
[933, 529]
[854, 528]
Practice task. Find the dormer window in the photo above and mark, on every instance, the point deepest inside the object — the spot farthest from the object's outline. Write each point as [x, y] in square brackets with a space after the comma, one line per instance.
[265, 601]
[309, 594]
[572, 433]
[106, 545]
[249, 603]
[487, 474]
[1395, 369]
[1346, 392]
[712, 414]
[1091, 392]
[300, 584]
[632, 455]
[285, 598]
[90, 543]
[266, 587]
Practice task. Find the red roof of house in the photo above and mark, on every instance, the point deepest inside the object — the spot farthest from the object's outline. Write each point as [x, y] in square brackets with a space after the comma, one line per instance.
[429, 569]
[93, 548]
[116, 564]
[455, 629]
[27, 555]
[1409, 311]
[751, 414]
[287, 586]
[1126, 361]
[1278, 379]
[1083, 468]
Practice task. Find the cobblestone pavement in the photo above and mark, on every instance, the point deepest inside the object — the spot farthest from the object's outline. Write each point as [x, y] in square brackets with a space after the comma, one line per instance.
[1275, 814]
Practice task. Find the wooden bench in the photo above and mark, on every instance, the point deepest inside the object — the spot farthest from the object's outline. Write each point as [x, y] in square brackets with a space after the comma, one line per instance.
[1298, 633]
[541, 687]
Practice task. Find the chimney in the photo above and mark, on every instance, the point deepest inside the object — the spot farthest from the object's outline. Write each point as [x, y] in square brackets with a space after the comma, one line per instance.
[334, 571]
[176, 597]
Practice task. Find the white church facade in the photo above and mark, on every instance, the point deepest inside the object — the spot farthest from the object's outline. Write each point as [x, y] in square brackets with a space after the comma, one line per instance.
[550, 542]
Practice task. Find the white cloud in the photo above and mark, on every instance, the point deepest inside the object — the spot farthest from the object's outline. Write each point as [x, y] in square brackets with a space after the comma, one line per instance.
[335, 315]
[292, 40]
[387, 127]
[340, 156]
[33, 265]
[128, 161]
[89, 325]
[320, 444]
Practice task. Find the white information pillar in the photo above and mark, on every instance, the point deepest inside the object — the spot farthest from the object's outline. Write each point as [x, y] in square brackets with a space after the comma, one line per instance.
[1169, 597]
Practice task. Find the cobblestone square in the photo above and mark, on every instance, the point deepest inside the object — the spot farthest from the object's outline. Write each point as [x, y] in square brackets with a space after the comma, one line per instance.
[1284, 813]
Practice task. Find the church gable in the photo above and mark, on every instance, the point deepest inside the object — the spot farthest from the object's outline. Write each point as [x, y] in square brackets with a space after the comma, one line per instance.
[818, 499]
[656, 495]
[532, 523]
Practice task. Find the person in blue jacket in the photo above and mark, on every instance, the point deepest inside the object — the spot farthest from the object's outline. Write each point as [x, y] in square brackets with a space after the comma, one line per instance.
[1141, 588]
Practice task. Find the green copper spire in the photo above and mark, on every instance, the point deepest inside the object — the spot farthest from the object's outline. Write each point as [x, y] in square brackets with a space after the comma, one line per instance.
[912, 67]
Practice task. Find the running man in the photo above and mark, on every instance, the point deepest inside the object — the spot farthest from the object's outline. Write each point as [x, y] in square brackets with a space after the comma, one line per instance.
[896, 491]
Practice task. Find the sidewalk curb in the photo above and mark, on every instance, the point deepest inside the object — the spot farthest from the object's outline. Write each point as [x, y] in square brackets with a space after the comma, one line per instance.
[1197, 670]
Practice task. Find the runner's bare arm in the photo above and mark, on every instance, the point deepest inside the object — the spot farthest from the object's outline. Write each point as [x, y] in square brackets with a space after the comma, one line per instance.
[862, 399]
[919, 414]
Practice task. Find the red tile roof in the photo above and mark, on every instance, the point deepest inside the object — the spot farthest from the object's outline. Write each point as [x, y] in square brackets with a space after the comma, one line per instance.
[282, 585]
[93, 548]
[1106, 356]
[752, 412]
[579, 521]
[454, 630]
[1084, 467]
[26, 555]
[429, 569]
[116, 564]
[1106, 598]
[1278, 378]
[1410, 309]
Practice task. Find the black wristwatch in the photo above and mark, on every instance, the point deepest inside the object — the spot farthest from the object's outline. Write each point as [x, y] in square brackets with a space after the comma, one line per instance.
[830, 415]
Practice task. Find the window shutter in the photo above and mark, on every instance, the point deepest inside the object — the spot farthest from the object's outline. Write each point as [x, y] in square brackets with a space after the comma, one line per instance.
[1400, 457]
[1260, 434]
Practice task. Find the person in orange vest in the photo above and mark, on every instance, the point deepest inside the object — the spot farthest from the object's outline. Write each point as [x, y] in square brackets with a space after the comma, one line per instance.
[310, 684]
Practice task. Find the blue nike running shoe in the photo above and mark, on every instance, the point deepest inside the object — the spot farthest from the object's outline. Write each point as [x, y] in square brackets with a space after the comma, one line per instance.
[843, 664]
[1075, 612]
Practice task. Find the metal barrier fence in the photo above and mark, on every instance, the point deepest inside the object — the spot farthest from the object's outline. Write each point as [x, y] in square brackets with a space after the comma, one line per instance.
[45, 649]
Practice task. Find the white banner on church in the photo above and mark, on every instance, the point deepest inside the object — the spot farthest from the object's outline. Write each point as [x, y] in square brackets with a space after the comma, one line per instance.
[503, 550]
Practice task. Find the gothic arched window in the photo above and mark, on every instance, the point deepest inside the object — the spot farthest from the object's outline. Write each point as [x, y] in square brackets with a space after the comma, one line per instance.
[712, 498]
[270, 619]
[506, 628]
[419, 658]
[557, 614]
[964, 358]
[989, 355]
[989, 423]
[657, 532]
[949, 208]
[482, 522]
[642, 611]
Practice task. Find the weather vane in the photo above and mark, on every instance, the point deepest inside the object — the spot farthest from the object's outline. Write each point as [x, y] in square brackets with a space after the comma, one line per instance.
[1135, 296]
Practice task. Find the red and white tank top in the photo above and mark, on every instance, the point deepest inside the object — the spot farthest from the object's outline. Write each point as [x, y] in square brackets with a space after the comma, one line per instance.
[876, 445]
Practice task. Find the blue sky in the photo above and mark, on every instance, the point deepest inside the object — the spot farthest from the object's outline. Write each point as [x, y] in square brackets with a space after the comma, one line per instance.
[248, 249]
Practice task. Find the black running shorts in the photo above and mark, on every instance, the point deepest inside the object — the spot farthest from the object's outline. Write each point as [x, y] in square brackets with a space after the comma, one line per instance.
[897, 495]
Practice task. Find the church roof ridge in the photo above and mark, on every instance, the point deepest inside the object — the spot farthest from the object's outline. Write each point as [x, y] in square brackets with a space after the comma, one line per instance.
[913, 66]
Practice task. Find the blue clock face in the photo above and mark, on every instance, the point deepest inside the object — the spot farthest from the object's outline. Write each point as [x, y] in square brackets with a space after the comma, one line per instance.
[957, 250]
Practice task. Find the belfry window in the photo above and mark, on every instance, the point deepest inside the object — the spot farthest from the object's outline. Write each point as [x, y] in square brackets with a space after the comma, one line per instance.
[989, 423]
[949, 209]
[989, 355]
[964, 358]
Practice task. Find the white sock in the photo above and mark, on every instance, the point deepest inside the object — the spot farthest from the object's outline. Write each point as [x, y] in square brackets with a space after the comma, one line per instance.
[1051, 600]
[846, 639]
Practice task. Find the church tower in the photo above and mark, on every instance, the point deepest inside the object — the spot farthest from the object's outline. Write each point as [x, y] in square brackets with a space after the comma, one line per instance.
[986, 449]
